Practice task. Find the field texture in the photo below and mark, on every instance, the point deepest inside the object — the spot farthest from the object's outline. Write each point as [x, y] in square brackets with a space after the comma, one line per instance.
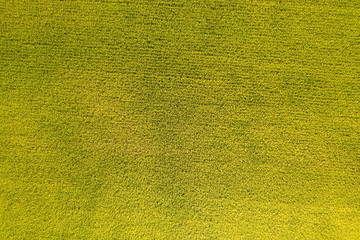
[174, 119]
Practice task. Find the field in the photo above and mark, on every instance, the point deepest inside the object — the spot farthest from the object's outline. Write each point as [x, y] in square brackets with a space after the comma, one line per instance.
[174, 119]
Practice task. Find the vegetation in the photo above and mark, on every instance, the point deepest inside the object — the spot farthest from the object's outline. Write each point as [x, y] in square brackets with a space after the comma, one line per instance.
[217, 119]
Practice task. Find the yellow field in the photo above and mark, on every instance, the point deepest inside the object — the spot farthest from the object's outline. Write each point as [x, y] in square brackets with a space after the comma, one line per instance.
[173, 119]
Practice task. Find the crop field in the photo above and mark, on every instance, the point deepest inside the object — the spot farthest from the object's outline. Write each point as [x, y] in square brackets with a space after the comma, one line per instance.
[174, 119]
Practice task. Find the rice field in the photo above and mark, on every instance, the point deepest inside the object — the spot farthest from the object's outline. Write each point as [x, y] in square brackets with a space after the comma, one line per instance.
[173, 119]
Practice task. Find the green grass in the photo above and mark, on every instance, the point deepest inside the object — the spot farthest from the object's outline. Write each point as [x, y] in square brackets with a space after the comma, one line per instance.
[218, 119]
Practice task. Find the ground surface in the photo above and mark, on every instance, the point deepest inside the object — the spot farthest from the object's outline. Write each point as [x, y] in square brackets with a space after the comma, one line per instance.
[180, 119]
